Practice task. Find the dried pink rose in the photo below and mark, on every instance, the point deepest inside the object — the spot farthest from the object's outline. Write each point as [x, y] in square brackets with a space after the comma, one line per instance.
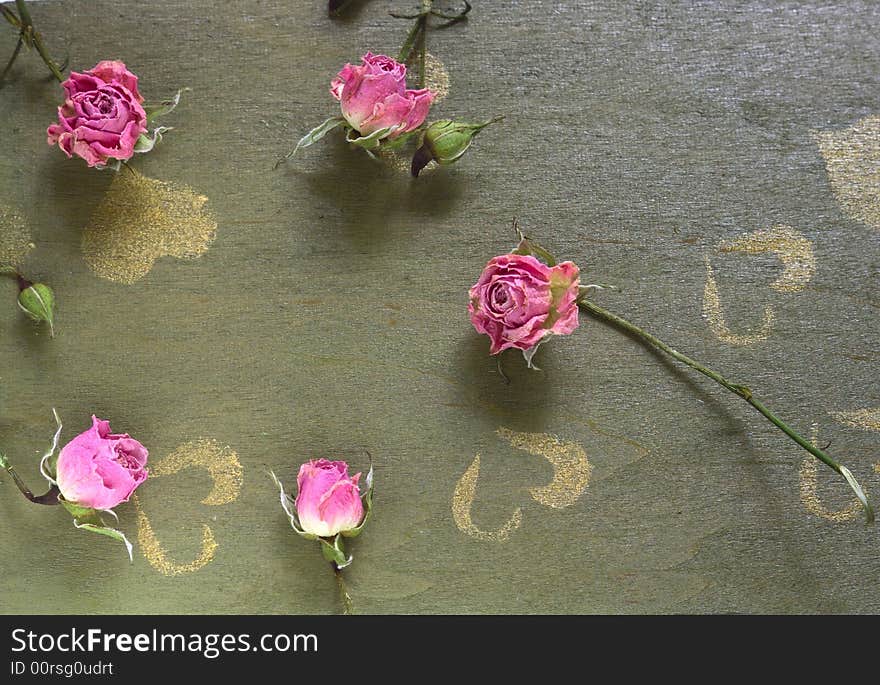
[99, 469]
[374, 96]
[102, 117]
[328, 501]
[519, 300]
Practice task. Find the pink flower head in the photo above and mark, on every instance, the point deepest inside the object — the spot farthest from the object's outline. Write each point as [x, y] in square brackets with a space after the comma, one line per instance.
[99, 469]
[520, 300]
[374, 96]
[328, 501]
[102, 116]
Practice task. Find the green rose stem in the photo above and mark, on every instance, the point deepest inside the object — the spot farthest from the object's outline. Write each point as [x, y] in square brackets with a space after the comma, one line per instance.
[740, 390]
[49, 498]
[417, 38]
[12, 59]
[423, 43]
[345, 598]
[27, 35]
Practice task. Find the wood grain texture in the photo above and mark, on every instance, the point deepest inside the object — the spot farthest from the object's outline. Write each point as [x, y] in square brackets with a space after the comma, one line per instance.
[328, 315]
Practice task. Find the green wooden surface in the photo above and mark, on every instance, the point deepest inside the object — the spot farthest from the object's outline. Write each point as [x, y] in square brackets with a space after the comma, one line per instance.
[328, 315]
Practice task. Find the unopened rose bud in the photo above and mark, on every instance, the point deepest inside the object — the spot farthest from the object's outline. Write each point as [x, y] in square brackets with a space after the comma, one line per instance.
[37, 301]
[445, 142]
[329, 501]
[329, 505]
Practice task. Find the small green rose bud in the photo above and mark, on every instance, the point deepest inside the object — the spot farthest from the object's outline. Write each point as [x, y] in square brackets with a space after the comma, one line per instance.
[445, 142]
[37, 301]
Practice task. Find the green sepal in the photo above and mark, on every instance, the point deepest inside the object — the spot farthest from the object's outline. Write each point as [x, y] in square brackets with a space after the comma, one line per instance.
[85, 518]
[527, 246]
[313, 136]
[530, 353]
[37, 301]
[335, 553]
[370, 142]
[367, 499]
[113, 165]
[289, 506]
[49, 461]
[148, 140]
[394, 144]
[78, 511]
[164, 107]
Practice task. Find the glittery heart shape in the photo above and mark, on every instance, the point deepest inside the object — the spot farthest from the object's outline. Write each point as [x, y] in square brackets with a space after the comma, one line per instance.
[852, 158]
[141, 219]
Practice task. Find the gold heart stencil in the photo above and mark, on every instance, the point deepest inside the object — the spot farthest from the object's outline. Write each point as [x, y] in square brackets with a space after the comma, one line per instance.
[141, 219]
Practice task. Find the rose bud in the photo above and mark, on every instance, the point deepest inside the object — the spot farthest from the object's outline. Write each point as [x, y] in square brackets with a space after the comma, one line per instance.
[102, 117]
[37, 301]
[99, 469]
[375, 100]
[519, 301]
[328, 501]
[329, 505]
[445, 142]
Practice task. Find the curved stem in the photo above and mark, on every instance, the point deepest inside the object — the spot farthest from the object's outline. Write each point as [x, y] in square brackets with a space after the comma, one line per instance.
[24, 14]
[423, 55]
[51, 497]
[56, 72]
[345, 598]
[28, 32]
[740, 390]
[9, 16]
[427, 6]
[416, 40]
[12, 272]
[453, 18]
[12, 59]
[408, 44]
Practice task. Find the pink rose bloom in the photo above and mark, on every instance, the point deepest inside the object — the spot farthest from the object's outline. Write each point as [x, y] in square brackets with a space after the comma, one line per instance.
[328, 501]
[374, 96]
[98, 469]
[102, 117]
[520, 300]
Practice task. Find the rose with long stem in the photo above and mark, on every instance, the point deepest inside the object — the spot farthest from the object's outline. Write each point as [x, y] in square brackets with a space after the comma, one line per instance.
[524, 298]
[27, 36]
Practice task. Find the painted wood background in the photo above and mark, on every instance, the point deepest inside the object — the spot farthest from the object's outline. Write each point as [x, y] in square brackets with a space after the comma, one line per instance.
[718, 161]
